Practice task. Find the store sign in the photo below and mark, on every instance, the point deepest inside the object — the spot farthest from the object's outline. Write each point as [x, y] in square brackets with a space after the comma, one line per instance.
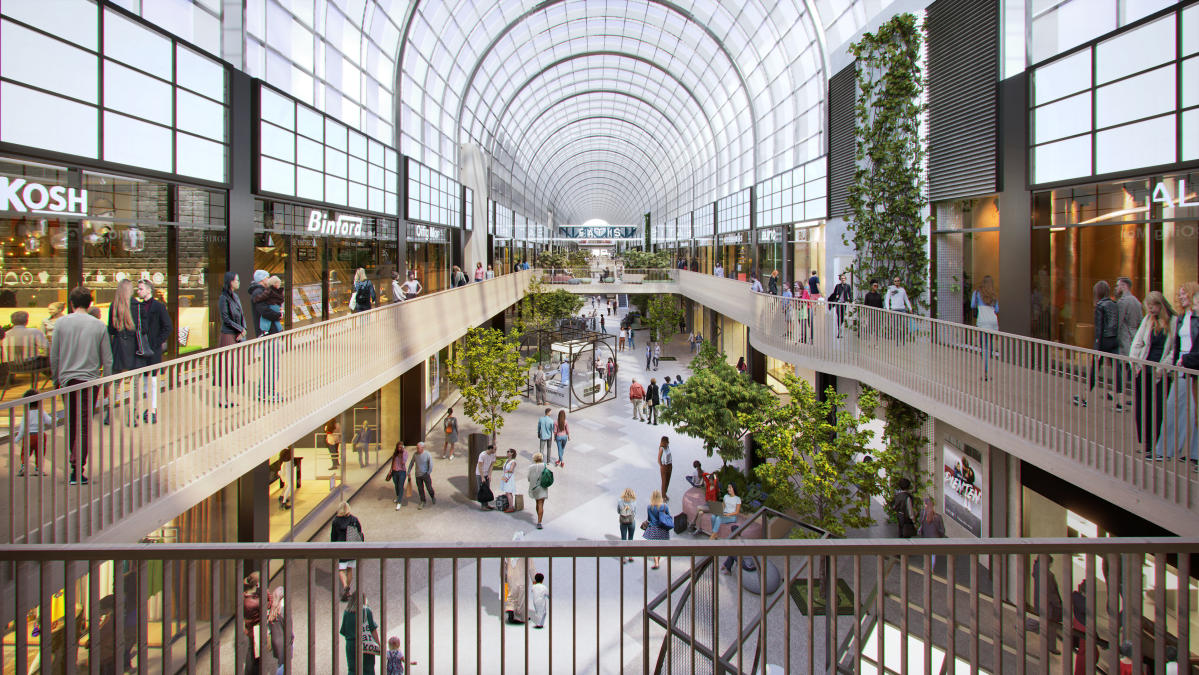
[1161, 194]
[18, 194]
[418, 232]
[771, 236]
[340, 226]
[597, 231]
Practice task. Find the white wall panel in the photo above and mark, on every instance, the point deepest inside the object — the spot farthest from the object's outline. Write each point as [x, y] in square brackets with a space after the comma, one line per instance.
[1133, 146]
[137, 143]
[1070, 158]
[38, 120]
[41, 61]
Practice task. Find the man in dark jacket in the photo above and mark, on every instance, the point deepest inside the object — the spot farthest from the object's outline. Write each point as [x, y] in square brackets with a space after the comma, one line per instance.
[841, 294]
[874, 299]
[652, 399]
[256, 285]
[153, 324]
[1107, 339]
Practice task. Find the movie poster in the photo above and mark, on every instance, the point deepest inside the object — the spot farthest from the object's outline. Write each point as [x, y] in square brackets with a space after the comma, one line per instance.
[963, 487]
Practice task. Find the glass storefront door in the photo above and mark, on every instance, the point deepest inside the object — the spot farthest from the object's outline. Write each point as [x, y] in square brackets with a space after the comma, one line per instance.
[807, 254]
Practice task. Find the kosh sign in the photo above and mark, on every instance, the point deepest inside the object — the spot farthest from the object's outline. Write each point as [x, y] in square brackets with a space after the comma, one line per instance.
[341, 226]
[20, 195]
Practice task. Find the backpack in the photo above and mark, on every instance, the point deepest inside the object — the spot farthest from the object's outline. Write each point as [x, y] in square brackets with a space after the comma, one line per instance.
[680, 523]
[362, 296]
[547, 477]
[627, 515]
[905, 514]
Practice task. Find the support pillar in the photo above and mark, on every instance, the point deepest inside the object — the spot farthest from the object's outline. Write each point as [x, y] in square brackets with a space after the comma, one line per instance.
[757, 373]
[499, 322]
[412, 405]
[253, 522]
[1015, 207]
[242, 108]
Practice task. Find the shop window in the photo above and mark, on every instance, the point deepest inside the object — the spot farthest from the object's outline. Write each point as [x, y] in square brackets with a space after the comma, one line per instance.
[965, 252]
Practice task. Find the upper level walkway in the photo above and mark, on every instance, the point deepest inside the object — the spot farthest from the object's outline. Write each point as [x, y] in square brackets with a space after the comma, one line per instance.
[1016, 392]
[141, 476]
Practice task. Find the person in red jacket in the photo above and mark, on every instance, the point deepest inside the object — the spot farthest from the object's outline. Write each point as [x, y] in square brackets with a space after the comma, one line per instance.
[637, 398]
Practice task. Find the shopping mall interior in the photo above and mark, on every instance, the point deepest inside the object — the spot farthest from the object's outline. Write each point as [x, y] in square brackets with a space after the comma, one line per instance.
[333, 334]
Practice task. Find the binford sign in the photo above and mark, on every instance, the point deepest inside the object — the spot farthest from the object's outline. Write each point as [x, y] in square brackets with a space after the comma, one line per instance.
[18, 194]
[339, 226]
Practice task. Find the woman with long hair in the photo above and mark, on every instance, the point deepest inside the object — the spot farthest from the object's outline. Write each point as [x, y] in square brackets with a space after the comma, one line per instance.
[1179, 437]
[985, 303]
[1154, 342]
[233, 330]
[364, 292]
[1106, 339]
[561, 436]
[122, 338]
[399, 472]
[665, 464]
[654, 528]
[626, 512]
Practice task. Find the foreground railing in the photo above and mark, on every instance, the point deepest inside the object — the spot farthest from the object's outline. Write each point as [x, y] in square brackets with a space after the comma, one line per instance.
[987, 606]
[187, 427]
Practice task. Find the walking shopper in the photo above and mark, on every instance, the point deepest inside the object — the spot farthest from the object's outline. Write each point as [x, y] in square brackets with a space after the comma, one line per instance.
[904, 507]
[610, 373]
[561, 436]
[1129, 319]
[541, 600]
[1107, 339]
[364, 296]
[658, 523]
[233, 330]
[251, 605]
[539, 483]
[603, 326]
[842, 295]
[490, 273]
[32, 430]
[362, 444]
[154, 329]
[267, 302]
[651, 402]
[423, 465]
[80, 352]
[480, 273]
[545, 432]
[932, 525]
[649, 356]
[637, 398]
[626, 514]
[755, 286]
[450, 426]
[1179, 436]
[741, 367]
[897, 300]
[985, 302]
[632, 344]
[457, 277]
[1154, 342]
[814, 284]
[665, 466]
[773, 283]
[657, 353]
[732, 508]
[396, 663]
[620, 340]
[515, 574]
[538, 385]
[398, 472]
[367, 640]
[664, 391]
[346, 528]
[508, 482]
[333, 442]
[122, 334]
[483, 469]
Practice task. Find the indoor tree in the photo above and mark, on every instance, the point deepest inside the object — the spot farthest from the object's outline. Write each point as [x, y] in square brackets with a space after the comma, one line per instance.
[708, 405]
[488, 374]
[662, 316]
[542, 310]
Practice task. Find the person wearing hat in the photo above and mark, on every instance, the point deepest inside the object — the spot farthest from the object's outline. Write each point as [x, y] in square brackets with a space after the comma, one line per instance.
[256, 285]
[56, 312]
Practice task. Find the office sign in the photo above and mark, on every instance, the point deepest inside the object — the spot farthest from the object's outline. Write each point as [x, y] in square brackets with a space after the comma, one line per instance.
[18, 194]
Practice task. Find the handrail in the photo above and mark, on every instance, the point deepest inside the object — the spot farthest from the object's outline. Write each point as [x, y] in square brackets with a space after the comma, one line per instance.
[293, 380]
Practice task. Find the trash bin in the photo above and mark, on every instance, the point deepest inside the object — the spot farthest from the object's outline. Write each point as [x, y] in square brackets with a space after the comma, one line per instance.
[476, 444]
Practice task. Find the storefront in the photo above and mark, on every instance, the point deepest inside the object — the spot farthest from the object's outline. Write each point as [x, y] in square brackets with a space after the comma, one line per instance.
[1146, 229]
[965, 251]
[428, 254]
[770, 242]
[735, 255]
[807, 254]
[108, 229]
[316, 251]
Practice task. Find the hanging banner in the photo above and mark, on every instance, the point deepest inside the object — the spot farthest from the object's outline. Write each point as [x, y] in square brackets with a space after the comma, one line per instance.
[597, 231]
[963, 487]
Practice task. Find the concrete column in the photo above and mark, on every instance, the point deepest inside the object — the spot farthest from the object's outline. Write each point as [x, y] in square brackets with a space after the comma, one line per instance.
[499, 322]
[756, 361]
[412, 405]
[1015, 207]
[242, 102]
[389, 416]
[253, 523]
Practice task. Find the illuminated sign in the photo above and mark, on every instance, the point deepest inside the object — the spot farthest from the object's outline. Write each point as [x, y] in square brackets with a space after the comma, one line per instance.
[598, 231]
[20, 195]
[1161, 194]
[340, 226]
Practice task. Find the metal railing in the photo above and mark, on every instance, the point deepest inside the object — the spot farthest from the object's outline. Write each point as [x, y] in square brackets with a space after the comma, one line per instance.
[575, 276]
[992, 606]
[154, 441]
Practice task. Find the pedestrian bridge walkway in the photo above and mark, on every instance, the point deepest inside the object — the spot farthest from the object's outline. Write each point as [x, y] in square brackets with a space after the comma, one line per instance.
[1016, 392]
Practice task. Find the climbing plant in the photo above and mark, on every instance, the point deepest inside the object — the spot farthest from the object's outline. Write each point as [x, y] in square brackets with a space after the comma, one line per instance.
[906, 444]
[886, 198]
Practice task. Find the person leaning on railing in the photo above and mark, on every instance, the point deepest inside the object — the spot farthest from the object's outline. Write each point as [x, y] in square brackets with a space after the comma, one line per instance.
[1179, 432]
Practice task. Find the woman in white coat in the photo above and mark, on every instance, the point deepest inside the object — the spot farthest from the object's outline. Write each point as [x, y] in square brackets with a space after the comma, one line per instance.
[516, 576]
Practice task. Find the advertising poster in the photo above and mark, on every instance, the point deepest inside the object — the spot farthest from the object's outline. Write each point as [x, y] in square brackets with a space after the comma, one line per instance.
[963, 487]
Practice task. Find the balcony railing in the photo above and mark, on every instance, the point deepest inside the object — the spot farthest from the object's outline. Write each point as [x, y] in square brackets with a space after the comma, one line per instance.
[989, 606]
[142, 473]
[617, 276]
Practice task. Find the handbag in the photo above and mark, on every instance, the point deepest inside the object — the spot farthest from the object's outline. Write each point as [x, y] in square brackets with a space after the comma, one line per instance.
[645, 524]
[353, 301]
[353, 534]
[408, 489]
[666, 520]
[484, 494]
[369, 644]
[143, 342]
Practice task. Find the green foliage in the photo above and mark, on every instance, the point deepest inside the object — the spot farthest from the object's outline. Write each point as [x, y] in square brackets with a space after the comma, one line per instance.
[813, 443]
[561, 259]
[488, 373]
[887, 196]
[662, 316]
[541, 309]
[708, 404]
[641, 260]
[905, 446]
